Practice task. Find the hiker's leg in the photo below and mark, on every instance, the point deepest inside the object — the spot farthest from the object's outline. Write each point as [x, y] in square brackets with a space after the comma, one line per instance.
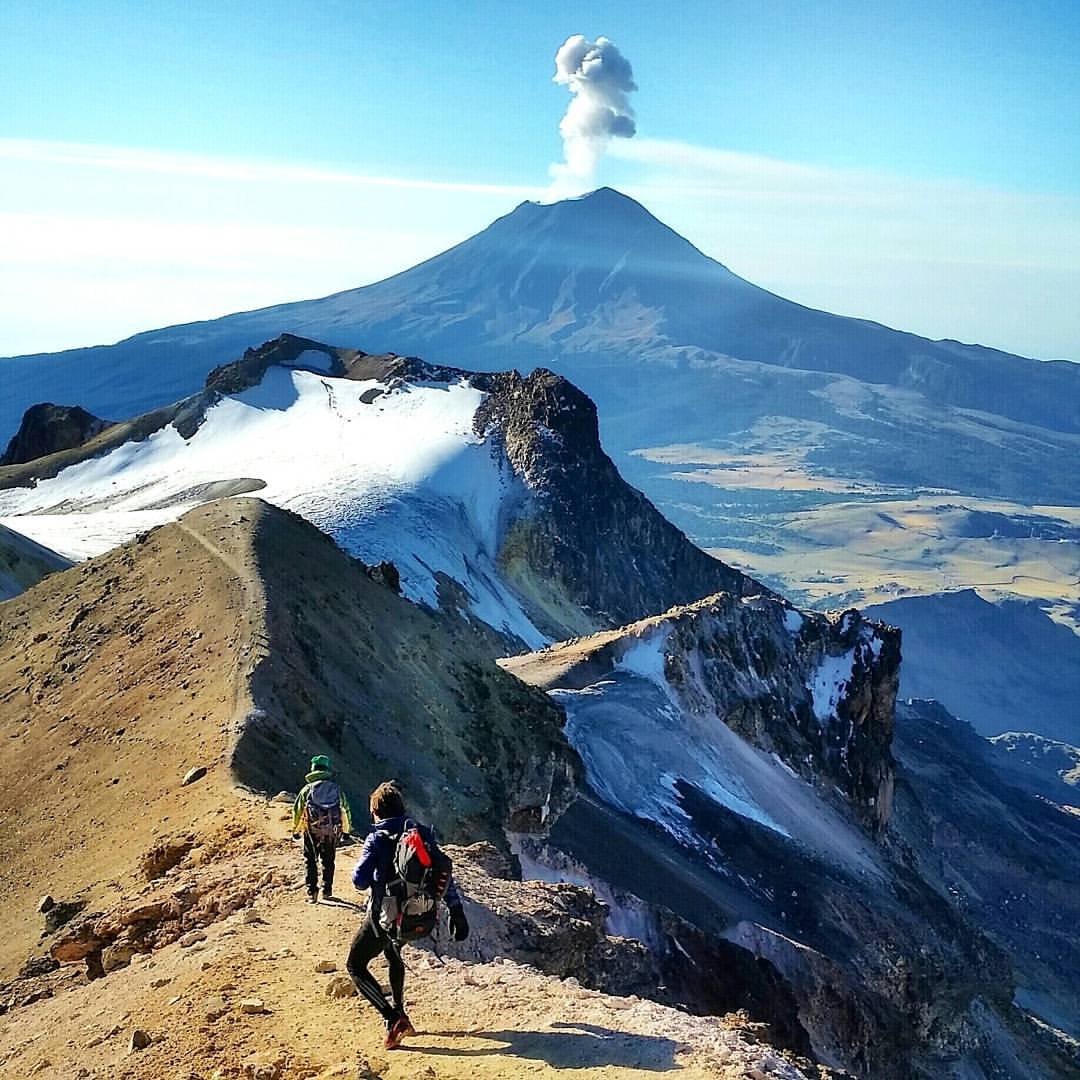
[311, 870]
[397, 974]
[366, 945]
[327, 853]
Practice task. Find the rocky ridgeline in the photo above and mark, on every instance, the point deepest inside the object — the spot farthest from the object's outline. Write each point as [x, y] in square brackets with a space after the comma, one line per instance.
[529, 941]
[818, 690]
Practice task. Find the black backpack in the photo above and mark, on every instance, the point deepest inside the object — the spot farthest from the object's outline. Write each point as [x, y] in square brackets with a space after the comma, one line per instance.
[322, 811]
[419, 880]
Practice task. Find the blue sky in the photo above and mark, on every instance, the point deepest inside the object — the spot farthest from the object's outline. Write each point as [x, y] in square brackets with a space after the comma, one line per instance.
[915, 163]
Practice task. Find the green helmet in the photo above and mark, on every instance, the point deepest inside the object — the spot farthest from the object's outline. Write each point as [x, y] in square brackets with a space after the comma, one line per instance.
[320, 763]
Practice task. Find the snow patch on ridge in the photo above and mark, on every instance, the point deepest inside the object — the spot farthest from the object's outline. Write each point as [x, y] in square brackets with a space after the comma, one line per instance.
[404, 478]
[646, 658]
[834, 673]
[829, 683]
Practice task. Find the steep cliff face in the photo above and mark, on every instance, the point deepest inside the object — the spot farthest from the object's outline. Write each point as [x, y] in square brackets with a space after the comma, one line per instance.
[738, 756]
[586, 541]
[48, 428]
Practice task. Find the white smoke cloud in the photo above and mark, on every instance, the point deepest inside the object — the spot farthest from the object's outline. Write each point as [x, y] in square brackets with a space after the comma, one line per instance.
[600, 81]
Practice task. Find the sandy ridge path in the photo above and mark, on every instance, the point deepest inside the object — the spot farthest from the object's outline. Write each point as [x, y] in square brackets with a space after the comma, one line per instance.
[245, 574]
[118, 676]
[489, 1021]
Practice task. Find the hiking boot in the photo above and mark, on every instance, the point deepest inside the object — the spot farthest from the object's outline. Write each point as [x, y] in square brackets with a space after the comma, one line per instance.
[312, 898]
[398, 1029]
[328, 894]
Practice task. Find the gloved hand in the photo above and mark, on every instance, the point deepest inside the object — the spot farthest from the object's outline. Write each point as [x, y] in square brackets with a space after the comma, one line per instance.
[459, 925]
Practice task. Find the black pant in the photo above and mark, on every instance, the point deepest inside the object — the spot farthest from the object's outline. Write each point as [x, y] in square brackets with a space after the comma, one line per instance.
[370, 940]
[316, 851]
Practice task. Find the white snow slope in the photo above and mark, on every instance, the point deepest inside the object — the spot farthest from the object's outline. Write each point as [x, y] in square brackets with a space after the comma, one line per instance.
[404, 478]
[637, 740]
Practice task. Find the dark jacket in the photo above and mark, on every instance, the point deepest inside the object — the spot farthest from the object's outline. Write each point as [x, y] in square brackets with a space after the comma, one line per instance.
[376, 865]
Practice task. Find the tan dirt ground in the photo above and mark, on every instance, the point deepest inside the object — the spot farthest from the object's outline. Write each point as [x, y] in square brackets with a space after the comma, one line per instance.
[135, 673]
[485, 1020]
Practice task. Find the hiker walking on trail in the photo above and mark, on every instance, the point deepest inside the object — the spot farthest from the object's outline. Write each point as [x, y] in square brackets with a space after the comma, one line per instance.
[408, 875]
[321, 815]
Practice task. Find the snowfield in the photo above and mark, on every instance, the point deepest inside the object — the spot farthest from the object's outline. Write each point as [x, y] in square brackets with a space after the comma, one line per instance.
[391, 472]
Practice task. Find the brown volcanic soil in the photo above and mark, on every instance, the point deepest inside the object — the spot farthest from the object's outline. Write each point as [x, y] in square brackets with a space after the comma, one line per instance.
[242, 640]
[477, 1014]
[116, 677]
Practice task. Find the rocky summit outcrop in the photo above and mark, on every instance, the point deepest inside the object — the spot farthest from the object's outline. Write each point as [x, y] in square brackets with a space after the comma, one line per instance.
[48, 428]
[818, 690]
[586, 541]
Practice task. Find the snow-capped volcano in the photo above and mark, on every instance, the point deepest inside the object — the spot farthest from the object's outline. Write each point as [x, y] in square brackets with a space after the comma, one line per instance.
[479, 488]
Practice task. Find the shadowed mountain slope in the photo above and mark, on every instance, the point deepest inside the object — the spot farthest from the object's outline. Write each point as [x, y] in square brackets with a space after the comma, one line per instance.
[1001, 667]
[1008, 860]
[24, 563]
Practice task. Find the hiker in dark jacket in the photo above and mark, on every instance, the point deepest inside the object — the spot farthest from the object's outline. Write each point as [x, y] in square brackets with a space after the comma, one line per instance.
[375, 871]
[321, 827]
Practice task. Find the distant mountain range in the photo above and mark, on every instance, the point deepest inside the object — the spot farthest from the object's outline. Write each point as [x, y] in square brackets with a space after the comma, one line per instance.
[671, 345]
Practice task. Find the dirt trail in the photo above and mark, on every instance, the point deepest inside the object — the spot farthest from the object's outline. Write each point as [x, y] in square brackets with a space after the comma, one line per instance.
[116, 678]
[493, 1021]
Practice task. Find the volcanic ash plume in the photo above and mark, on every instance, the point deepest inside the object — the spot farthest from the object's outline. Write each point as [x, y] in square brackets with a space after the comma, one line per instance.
[600, 79]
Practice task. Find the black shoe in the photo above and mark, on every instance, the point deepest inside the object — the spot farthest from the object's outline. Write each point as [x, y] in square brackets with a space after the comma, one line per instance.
[328, 894]
[312, 898]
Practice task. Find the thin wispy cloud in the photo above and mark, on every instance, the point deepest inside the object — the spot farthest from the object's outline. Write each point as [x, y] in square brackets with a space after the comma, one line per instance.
[128, 159]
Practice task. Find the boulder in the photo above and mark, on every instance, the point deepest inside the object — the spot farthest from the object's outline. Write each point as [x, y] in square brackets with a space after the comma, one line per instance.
[341, 986]
[140, 1040]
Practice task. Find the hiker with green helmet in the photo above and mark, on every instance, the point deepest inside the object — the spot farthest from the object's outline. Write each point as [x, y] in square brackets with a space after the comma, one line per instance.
[321, 815]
